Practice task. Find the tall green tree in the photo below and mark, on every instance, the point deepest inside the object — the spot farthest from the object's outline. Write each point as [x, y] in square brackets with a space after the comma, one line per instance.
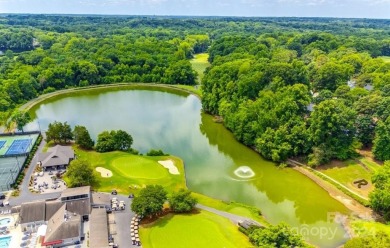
[381, 148]
[59, 132]
[150, 200]
[180, 72]
[275, 237]
[80, 173]
[123, 140]
[331, 75]
[182, 201]
[332, 129]
[380, 196]
[82, 137]
[114, 141]
[21, 118]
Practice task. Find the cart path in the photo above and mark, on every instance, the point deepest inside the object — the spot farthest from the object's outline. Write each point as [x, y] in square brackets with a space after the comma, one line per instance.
[232, 217]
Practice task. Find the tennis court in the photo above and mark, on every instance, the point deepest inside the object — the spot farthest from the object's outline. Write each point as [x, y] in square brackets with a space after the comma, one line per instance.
[16, 144]
[9, 170]
[19, 146]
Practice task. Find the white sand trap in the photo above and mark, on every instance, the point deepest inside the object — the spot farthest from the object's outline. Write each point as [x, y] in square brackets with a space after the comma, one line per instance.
[170, 166]
[104, 172]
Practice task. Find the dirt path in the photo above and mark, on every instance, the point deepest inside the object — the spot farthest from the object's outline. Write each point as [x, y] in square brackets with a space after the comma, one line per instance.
[358, 209]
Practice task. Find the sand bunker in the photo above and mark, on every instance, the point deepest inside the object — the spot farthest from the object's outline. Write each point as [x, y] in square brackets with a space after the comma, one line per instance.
[170, 166]
[104, 172]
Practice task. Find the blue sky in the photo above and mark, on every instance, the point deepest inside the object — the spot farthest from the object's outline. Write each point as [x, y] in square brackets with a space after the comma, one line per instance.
[316, 8]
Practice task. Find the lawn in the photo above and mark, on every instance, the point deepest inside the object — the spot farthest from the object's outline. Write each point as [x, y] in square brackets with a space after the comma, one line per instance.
[385, 58]
[200, 63]
[346, 172]
[132, 172]
[232, 207]
[138, 167]
[194, 89]
[203, 229]
[363, 228]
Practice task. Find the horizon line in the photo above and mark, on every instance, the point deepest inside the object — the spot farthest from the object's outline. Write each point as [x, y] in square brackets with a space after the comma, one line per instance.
[198, 16]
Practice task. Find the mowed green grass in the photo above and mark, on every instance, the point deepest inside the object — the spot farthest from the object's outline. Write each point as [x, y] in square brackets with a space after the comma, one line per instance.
[200, 63]
[385, 58]
[347, 172]
[133, 172]
[369, 227]
[139, 167]
[203, 229]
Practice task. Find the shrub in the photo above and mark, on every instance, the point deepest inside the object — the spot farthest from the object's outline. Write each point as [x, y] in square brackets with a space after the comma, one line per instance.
[153, 152]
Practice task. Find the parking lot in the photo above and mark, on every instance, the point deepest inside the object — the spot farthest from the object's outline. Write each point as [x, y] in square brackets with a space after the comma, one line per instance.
[46, 182]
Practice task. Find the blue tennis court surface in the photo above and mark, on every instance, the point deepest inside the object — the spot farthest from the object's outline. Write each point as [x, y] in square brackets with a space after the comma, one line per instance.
[18, 146]
[2, 143]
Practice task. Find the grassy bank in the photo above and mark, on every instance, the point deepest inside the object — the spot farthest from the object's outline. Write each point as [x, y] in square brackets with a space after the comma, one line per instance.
[178, 89]
[349, 171]
[366, 228]
[385, 58]
[232, 207]
[201, 229]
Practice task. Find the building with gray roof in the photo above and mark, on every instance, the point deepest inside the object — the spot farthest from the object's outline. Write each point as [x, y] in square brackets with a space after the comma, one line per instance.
[56, 157]
[99, 232]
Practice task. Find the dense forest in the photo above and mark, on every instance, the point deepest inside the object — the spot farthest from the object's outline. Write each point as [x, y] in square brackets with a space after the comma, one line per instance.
[315, 88]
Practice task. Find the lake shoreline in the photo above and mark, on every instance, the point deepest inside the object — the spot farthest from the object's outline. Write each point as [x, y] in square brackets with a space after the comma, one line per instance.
[212, 139]
[121, 86]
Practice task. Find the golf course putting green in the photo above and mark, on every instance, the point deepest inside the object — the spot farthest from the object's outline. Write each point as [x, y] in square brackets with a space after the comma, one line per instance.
[139, 167]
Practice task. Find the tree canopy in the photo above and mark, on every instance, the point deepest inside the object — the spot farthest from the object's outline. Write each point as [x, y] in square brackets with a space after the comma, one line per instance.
[21, 118]
[267, 79]
[80, 173]
[150, 200]
[182, 201]
[82, 137]
[114, 141]
[59, 132]
[380, 196]
[276, 236]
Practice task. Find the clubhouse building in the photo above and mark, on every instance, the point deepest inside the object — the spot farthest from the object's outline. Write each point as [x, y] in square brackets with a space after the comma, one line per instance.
[60, 222]
[57, 157]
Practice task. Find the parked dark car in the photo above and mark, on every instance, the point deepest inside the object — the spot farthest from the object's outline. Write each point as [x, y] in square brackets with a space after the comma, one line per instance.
[131, 195]
[114, 192]
[110, 239]
[2, 196]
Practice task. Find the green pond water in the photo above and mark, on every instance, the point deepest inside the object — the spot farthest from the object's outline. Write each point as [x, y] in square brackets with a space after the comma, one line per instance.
[216, 164]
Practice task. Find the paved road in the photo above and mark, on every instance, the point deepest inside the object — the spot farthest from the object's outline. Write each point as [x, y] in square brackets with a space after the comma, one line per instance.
[234, 218]
[25, 194]
[122, 220]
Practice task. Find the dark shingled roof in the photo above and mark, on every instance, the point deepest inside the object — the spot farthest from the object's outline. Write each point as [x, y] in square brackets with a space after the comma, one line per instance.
[58, 155]
[63, 225]
[99, 233]
[51, 208]
[81, 207]
[32, 211]
[101, 199]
